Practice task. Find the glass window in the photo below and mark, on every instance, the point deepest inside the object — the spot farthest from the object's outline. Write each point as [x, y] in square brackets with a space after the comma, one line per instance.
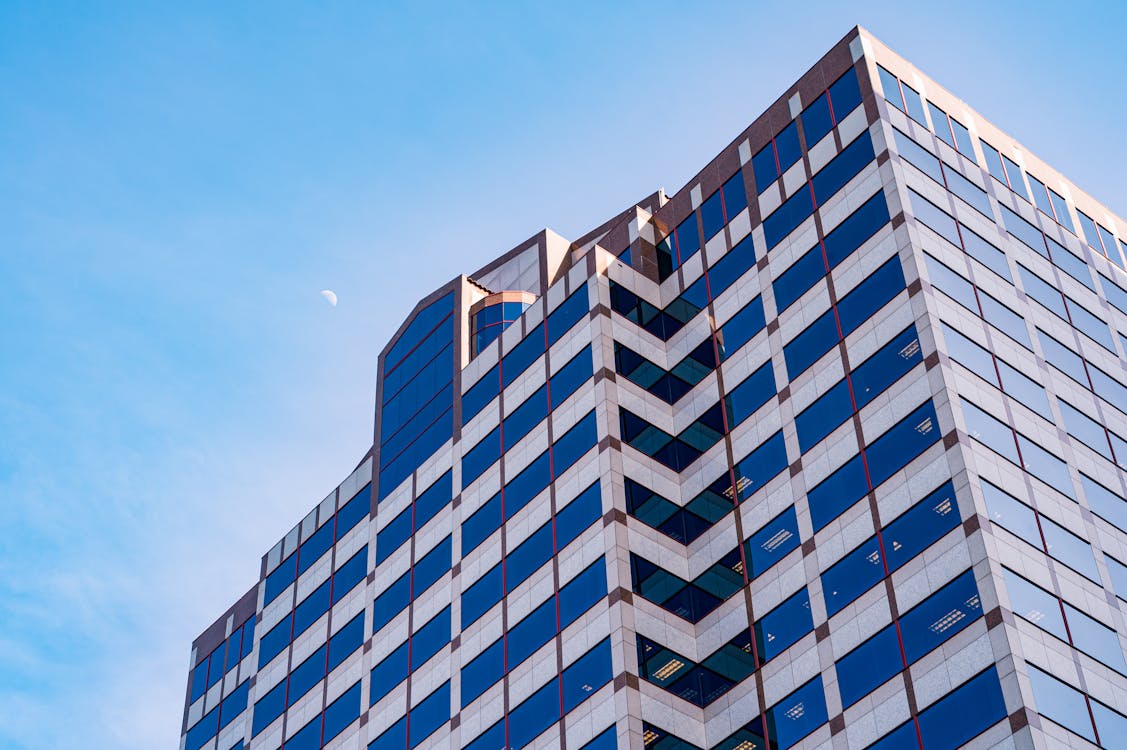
[824, 415]
[429, 639]
[571, 311]
[871, 295]
[935, 218]
[735, 195]
[578, 515]
[940, 125]
[1013, 172]
[915, 104]
[837, 492]
[869, 665]
[429, 714]
[765, 167]
[482, 671]
[589, 673]
[1040, 196]
[1060, 702]
[481, 524]
[311, 608]
[340, 714]
[963, 140]
[964, 713]
[786, 146]
[771, 543]
[350, 574]
[346, 640]
[845, 94]
[891, 87]
[1060, 208]
[432, 566]
[741, 328]
[389, 672]
[994, 434]
[855, 229]
[481, 595]
[816, 120]
[890, 452]
[391, 602]
[1069, 549]
[1106, 504]
[940, 616]
[783, 626]
[970, 193]
[1091, 236]
[1011, 514]
[841, 169]
[1035, 605]
[994, 162]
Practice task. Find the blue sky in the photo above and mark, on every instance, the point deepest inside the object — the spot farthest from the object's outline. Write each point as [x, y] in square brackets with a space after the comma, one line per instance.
[177, 183]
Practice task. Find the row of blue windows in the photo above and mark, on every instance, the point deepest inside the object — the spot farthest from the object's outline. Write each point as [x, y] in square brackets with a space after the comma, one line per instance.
[423, 720]
[880, 459]
[537, 341]
[856, 307]
[229, 709]
[222, 660]
[311, 550]
[997, 372]
[425, 572]
[1001, 167]
[953, 720]
[533, 716]
[702, 683]
[839, 244]
[863, 384]
[530, 555]
[415, 516]
[822, 186]
[310, 609]
[685, 240]
[1082, 371]
[818, 119]
[522, 418]
[946, 175]
[919, 631]
[679, 451]
[686, 523]
[535, 630]
[417, 394]
[427, 640]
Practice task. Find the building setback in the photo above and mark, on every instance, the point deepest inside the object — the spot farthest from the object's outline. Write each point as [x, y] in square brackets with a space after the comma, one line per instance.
[821, 451]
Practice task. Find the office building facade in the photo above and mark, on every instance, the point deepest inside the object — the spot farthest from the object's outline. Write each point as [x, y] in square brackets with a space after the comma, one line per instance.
[825, 450]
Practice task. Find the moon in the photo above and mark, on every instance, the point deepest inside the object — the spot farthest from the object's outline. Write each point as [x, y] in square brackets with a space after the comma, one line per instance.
[330, 296]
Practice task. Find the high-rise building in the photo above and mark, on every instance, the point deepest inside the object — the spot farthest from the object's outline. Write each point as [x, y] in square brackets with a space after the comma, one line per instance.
[823, 450]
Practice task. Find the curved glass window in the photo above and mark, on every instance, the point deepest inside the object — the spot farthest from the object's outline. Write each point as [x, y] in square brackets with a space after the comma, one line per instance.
[491, 320]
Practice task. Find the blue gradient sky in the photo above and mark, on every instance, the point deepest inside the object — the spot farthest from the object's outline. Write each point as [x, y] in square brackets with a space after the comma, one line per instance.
[178, 183]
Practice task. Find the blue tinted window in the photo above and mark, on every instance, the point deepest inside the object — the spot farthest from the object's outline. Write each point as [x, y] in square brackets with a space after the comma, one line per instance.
[570, 446]
[605, 740]
[354, 511]
[940, 616]
[393, 738]
[526, 485]
[735, 195]
[482, 671]
[527, 351]
[580, 513]
[837, 492]
[202, 731]
[520, 421]
[528, 557]
[786, 146]
[481, 456]
[966, 712]
[307, 674]
[939, 124]
[869, 665]
[797, 715]
[280, 578]
[315, 546]
[234, 704]
[712, 215]
[741, 328]
[765, 167]
[786, 218]
[852, 576]
[823, 416]
[490, 739]
[269, 707]
[816, 120]
[528, 635]
[993, 162]
[589, 673]
[389, 672]
[484, 521]
[772, 543]
[783, 626]
[858, 227]
[311, 608]
[199, 680]
[346, 640]
[726, 271]
[275, 639]
[538, 712]
[429, 639]
[391, 602]
[921, 526]
[341, 712]
[481, 393]
[871, 295]
[843, 168]
[481, 596]
[391, 537]
[1060, 208]
[963, 140]
[903, 442]
[433, 499]
[845, 94]
[891, 362]
[580, 593]
[1061, 702]
[349, 574]
[432, 566]
[429, 714]
[803, 274]
[811, 344]
[1013, 172]
[754, 391]
[570, 312]
[571, 376]
[914, 103]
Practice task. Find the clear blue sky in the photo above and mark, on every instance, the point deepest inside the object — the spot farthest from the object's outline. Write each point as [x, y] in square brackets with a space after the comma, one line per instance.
[177, 183]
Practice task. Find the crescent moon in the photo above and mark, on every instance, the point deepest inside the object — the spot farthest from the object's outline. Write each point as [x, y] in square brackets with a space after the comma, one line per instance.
[330, 296]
